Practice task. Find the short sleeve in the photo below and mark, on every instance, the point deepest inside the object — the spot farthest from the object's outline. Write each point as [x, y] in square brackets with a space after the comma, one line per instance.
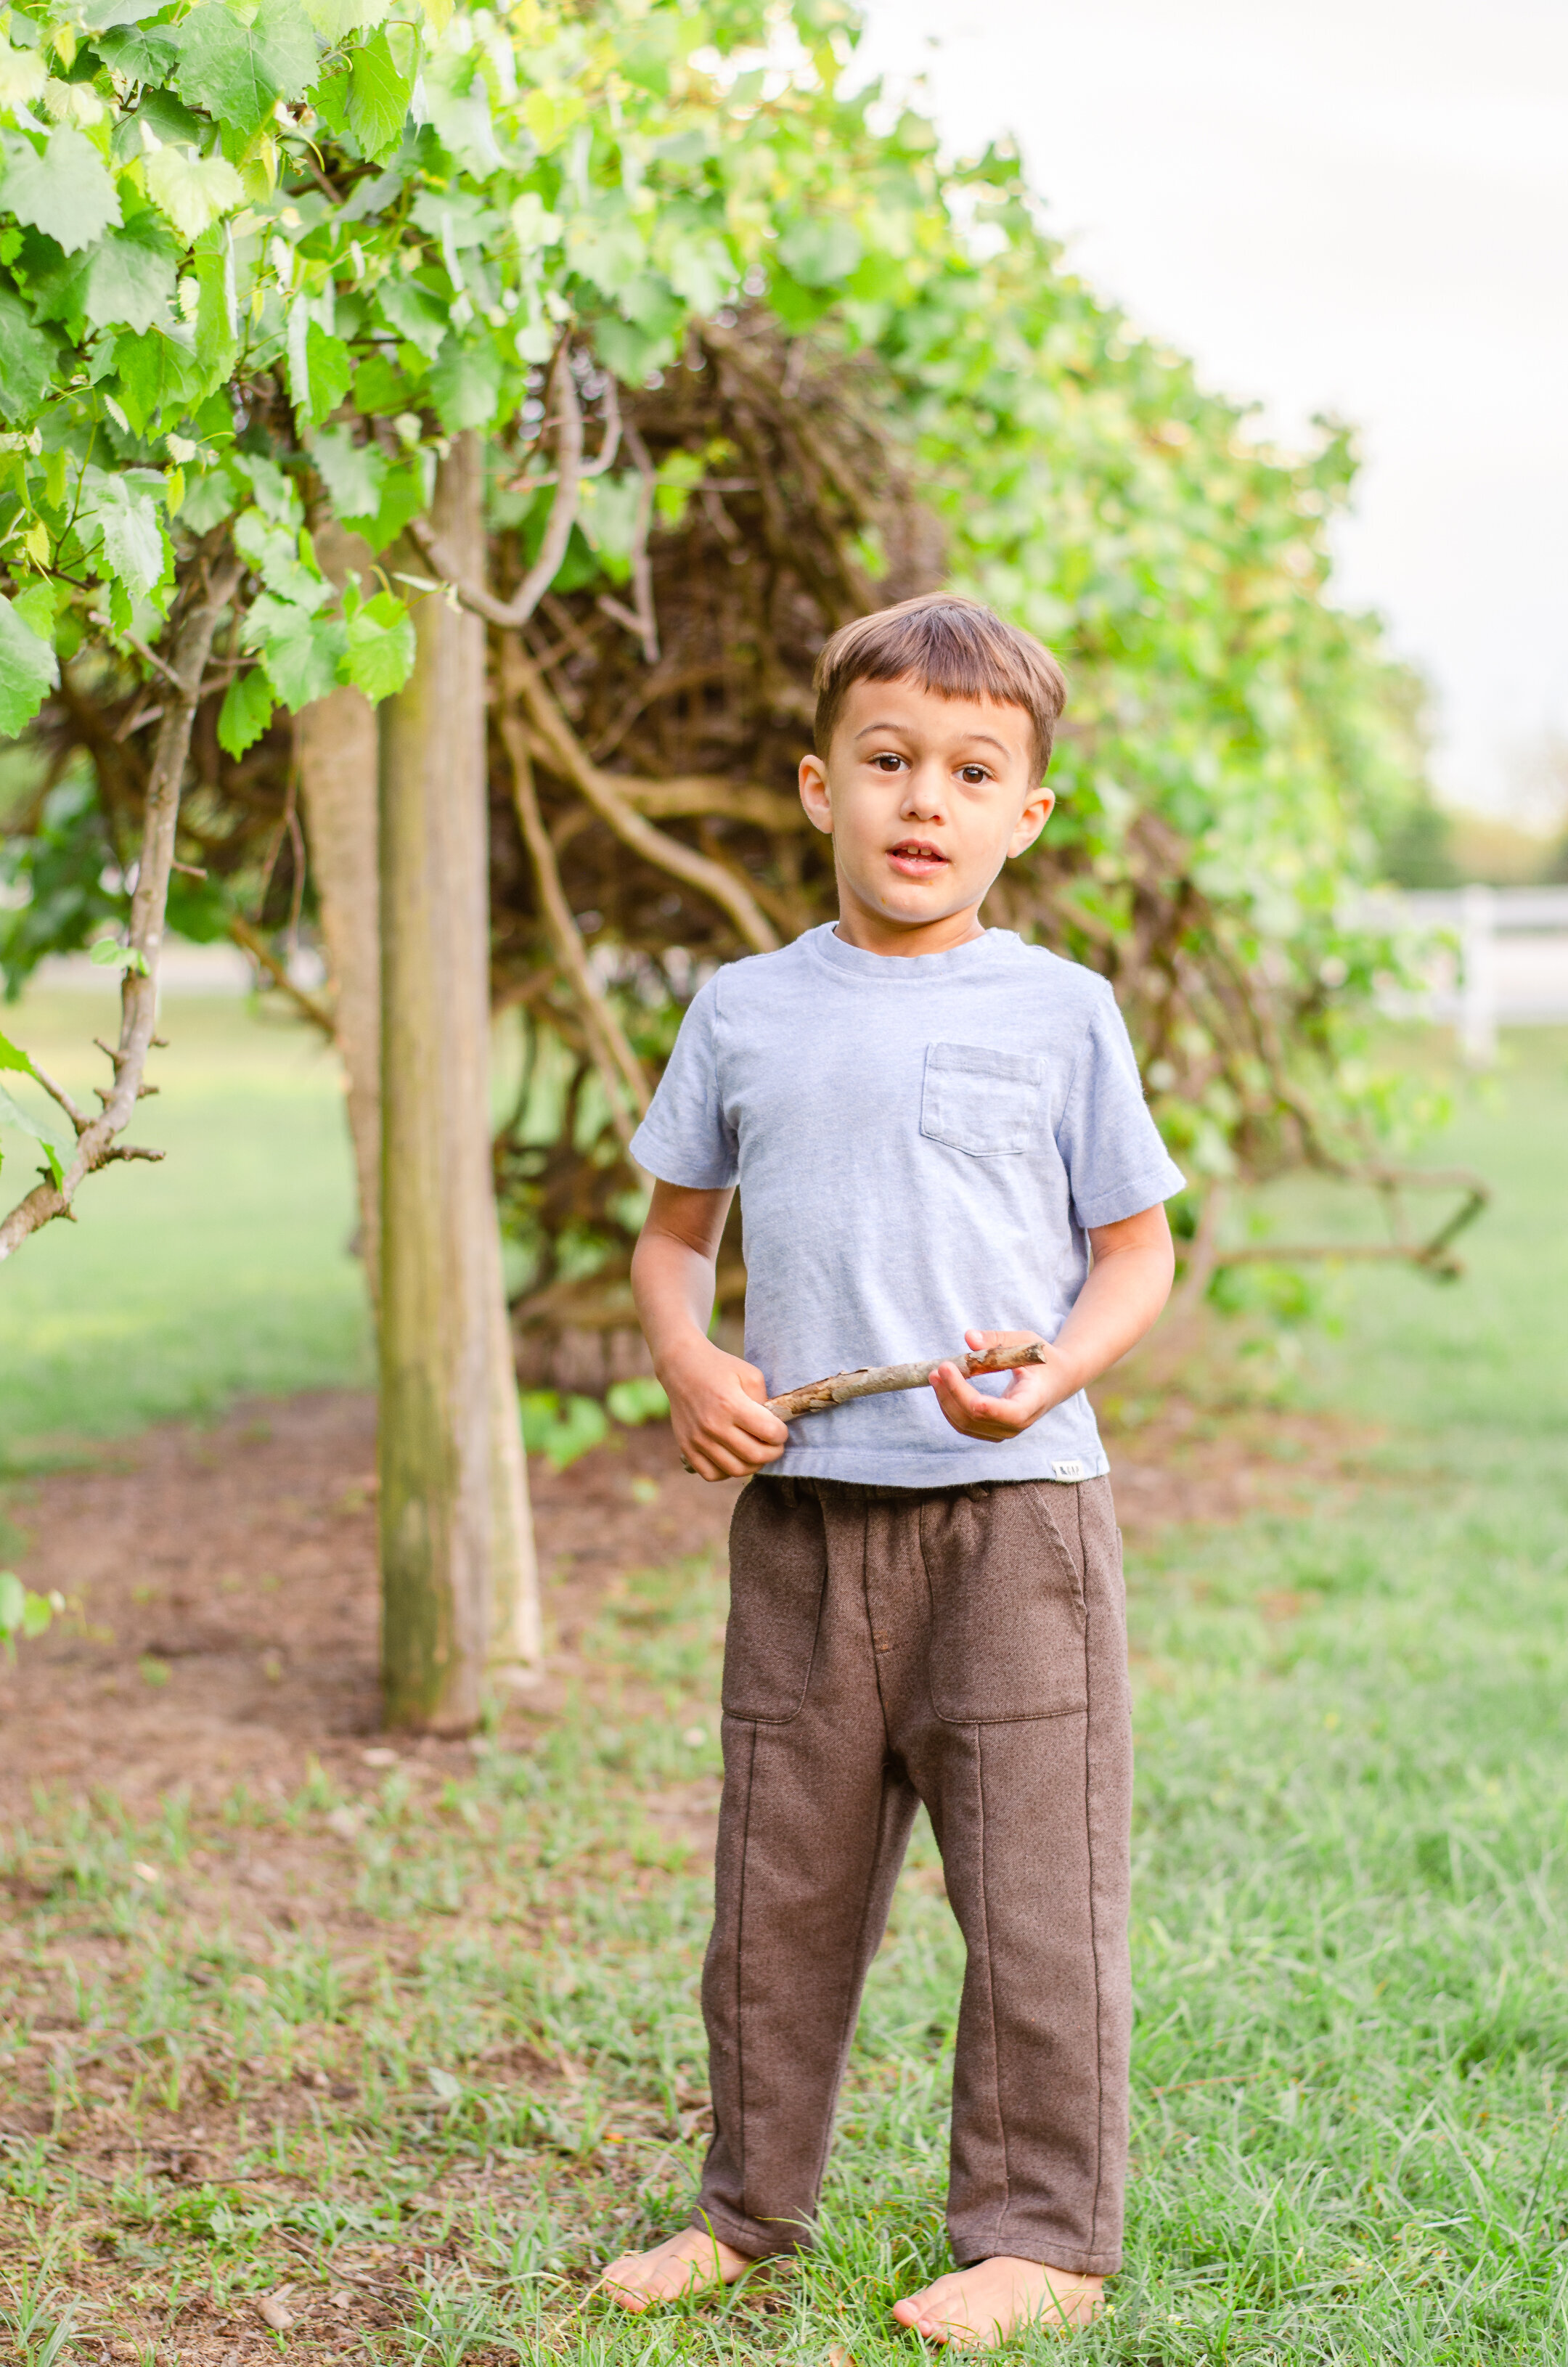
[1117, 1164]
[685, 1138]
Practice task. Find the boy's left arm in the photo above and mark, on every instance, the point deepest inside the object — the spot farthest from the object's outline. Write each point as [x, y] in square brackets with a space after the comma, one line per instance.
[1129, 1283]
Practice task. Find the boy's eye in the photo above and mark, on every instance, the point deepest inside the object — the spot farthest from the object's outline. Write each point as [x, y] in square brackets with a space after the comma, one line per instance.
[887, 761]
[973, 772]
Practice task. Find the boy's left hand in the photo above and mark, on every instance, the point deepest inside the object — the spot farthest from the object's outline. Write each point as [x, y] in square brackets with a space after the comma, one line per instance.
[1032, 1390]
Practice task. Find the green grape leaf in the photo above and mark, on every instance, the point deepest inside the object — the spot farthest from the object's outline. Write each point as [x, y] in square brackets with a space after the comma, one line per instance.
[209, 498]
[158, 371]
[143, 54]
[328, 372]
[192, 190]
[246, 711]
[703, 273]
[329, 96]
[238, 71]
[380, 646]
[13, 1057]
[27, 359]
[302, 653]
[457, 218]
[217, 313]
[608, 253]
[276, 496]
[820, 250]
[381, 84]
[28, 671]
[99, 16]
[127, 281]
[355, 475]
[127, 517]
[174, 125]
[465, 387]
[274, 551]
[336, 19]
[68, 192]
[23, 74]
[414, 313]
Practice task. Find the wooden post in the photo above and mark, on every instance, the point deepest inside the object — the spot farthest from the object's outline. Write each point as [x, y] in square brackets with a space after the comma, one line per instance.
[450, 1508]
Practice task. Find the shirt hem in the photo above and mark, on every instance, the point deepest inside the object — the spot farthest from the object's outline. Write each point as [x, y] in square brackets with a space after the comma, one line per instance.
[957, 1470]
[1129, 1199]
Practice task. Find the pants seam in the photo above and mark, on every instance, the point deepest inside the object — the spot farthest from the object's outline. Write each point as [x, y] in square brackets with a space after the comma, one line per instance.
[1094, 1919]
[991, 1985]
[740, 1965]
[852, 2003]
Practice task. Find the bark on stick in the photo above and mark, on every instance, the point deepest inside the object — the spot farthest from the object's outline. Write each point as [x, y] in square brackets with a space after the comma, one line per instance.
[875, 1380]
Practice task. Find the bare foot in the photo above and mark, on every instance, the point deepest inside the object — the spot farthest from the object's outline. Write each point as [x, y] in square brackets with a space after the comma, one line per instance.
[976, 2308]
[688, 2263]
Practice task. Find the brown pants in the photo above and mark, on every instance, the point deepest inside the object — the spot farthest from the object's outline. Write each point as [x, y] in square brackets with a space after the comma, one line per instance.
[963, 1646]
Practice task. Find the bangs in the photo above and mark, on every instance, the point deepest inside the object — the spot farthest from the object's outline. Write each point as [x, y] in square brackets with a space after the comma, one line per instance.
[951, 646]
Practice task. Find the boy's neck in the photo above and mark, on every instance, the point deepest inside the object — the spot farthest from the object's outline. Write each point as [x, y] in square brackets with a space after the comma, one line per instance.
[873, 932]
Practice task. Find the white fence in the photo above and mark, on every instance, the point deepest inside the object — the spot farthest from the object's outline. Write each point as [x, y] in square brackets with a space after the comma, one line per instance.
[1504, 964]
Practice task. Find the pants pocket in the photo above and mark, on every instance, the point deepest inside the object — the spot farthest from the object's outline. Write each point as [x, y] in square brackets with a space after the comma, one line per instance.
[777, 1569]
[1008, 1624]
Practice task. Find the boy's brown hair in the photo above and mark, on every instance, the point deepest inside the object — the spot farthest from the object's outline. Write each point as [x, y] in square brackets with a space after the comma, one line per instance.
[954, 646]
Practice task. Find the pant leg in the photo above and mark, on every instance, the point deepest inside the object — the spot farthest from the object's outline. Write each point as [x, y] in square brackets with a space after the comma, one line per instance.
[1017, 1732]
[812, 1827]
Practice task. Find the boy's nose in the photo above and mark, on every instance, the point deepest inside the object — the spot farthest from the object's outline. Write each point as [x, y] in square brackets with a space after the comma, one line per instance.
[922, 800]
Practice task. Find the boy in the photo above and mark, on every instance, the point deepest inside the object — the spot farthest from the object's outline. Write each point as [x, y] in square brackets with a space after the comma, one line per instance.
[931, 1124]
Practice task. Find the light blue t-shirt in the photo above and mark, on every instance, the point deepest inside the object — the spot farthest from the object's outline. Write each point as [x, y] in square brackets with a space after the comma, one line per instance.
[920, 1144]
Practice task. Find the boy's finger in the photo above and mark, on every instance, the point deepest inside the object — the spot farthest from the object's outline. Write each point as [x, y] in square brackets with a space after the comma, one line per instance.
[761, 1423]
[965, 1407]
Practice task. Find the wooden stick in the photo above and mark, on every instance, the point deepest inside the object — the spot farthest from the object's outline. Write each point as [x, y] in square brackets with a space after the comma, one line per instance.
[874, 1380]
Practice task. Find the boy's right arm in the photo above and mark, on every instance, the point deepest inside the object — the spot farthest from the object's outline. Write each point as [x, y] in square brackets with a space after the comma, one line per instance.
[718, 1402]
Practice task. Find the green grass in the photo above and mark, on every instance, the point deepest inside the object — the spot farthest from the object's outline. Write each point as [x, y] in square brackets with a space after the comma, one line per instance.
[220, 1272]
[1351, 1937]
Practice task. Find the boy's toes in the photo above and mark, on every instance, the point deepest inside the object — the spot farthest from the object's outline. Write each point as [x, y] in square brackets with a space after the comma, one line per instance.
[684, 2264]
[978, 2307]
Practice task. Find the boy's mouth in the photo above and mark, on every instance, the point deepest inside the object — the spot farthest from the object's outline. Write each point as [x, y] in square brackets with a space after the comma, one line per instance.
[916, 859]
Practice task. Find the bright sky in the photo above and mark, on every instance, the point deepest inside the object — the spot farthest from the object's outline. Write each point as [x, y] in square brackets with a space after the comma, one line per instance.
[1357, 206]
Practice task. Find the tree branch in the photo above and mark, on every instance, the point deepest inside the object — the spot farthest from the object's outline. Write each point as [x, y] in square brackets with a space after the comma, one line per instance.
[311, 1006]
[566, 756]
[510, 614]
[1434, 1255]
[613, 1056]
[877, 1380]
[139, 985]
[641, 570]
[57, 1092]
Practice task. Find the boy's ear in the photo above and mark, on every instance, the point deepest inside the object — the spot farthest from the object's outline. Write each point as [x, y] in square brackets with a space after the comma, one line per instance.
[815, 794]
[1032, 820]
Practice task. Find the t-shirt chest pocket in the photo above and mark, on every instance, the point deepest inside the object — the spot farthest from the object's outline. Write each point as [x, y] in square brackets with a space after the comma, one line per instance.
[979, 1101]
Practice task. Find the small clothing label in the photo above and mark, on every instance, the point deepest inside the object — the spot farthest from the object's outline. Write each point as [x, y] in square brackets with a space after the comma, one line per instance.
[1067, 1470]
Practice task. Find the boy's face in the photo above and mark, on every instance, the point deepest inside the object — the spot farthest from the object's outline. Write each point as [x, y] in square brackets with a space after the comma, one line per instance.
[926, 798]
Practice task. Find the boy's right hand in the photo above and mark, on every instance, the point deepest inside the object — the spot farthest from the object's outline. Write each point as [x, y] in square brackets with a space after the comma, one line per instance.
[719, 1412]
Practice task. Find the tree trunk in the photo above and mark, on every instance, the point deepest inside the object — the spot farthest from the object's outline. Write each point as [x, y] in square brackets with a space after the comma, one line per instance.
[456, 1558]
[338, 749]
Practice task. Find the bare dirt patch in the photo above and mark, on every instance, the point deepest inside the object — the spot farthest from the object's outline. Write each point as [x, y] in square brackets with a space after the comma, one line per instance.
[222, 1579]
[222, 1584]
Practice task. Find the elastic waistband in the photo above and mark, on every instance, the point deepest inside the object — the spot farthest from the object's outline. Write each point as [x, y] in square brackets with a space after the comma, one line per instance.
[791, 1488]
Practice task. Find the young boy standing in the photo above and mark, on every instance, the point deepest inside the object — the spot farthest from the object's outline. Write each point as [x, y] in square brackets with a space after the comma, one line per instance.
[932, 1126]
